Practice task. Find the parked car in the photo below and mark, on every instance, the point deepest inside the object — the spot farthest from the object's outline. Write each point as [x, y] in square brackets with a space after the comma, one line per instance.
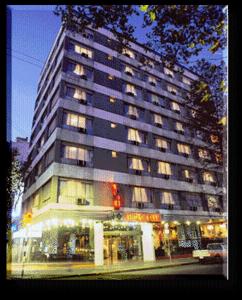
[215, 252]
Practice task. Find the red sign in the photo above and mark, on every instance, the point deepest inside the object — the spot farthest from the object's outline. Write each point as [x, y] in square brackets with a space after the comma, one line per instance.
[141, 217]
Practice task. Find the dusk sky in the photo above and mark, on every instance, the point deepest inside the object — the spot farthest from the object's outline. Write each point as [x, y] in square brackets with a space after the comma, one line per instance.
[34, 28]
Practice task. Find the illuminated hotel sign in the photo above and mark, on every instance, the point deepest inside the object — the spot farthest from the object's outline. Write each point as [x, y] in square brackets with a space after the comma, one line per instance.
[141, 217]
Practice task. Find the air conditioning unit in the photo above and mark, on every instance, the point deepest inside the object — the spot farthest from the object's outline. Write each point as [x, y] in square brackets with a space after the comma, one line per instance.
[166, 176]
[140, 205]
[213, 183]
[162, 149]
[81, 163]
[177, 111]
[138, 172]
[179, 131]
[129, 74]
[84, 77]
[186, 155]
[193, 208]
[170, 75]
[152, 83]
[133, 117]
[174, 93]
[217, 209]
[135, 143]
[156, 103]
[158, 125]
[82, 130]
[130, 94]
[190, 180]
[84, 55]
[82, 201]
[170, 206]
[126, 54]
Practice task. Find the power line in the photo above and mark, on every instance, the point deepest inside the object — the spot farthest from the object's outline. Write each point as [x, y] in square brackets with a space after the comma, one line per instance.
[31, 63]
[17, 51]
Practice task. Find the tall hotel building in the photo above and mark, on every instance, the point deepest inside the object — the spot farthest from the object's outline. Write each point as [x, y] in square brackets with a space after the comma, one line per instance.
[110, 131]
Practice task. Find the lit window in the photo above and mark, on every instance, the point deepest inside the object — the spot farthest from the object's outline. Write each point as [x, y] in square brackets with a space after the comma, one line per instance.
[208, 177]
[161, 143]
[168, 72]
[150, 64]
[134, 135]
[139, 195]
[77, 153]
[187, 174]
[175, 106]
[202, 153]
[110, 57]
[186, 80]
[183, 148]
[113, 125]
[83, 51]
[152, 80]
[218, 157]
[128, 53]
[212, 202]
[155, 99]
[167, 198]
[76, 121]
[171, 89]
[179, 126]
[114, 154]
[158, 119]
[136, 164]
[79, 94]
[164, 168]
[129, 71]
[79, 70]
[214, 138]
[112, 100]
[130, 89]
[193, 113]
[132, 111]
[110, 77]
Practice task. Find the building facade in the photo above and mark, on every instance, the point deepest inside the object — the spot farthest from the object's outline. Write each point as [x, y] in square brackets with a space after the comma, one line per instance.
[110, 130]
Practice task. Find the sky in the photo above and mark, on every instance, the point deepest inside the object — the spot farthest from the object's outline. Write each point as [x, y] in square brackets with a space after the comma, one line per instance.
[34, 28]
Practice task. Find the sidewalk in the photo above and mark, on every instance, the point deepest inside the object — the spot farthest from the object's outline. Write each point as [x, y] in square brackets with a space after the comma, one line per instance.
[55, 270]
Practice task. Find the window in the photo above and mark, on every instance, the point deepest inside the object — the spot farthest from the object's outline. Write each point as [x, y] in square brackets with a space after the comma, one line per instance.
[175, 106]
[150, 64]
[113, 125]
[161, 143]
[155, 99]
[179, 127]
[139, 195]
[134, 135]
[183, 148]
[212, 202]
[110, 77]
[158, 119]
[77, 153]
[79, 94]
[79, 70]
[202, 153]
[110, 57]
[186, 80]
[214, 138]
[128, 53]
[208, 177]
[168, 72]
[171, 89]
[71, 190]
[129, 71]
[83, 51]
[46, 191]
[130, 90]
[114, 154]
[75, 121]
[152, 80]
[133, 111]
[167, 198]
[112, 100]
[164, 168]
[218, 157]
[187, 174]
[136, 164]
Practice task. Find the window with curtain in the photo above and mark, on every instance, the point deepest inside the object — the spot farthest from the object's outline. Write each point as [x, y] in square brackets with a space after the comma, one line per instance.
[71, 190]
[167, 198]
[152, 80]
[130, 89]
[155, 99]
[202, 153]
[186, 173]
[168, 72]
[140, 195]
[129, 70]
[79, 70]
[136, 164]
[212, 202]
[128, 53]
[179, 126]
[135, 135]
[133, 111]
[164, 168]
[75, 120]
[77, 153]
[171, 89]
[175, 106]
[158, 119]
[208, 177]
[82, 50]
[183, 148]
[161, 143]
[79, 94]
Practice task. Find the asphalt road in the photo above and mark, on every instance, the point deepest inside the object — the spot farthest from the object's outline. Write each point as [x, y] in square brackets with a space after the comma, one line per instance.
[152, 274]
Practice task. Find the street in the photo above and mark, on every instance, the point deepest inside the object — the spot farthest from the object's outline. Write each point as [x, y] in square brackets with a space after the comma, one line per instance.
[196, 269]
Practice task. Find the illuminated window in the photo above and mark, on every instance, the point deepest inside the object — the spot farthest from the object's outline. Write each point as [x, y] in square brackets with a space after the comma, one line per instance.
[80, 95]
[129, 71]
[155, 99]
[218, 157]
[202, 153]
[208, 177]
[113, 125]
[128, 53]
[77, 153]
[134, 135]
[110, 57]
[175, 106]
[114, 154]
[76, 121]
[186, 80]
[112, 100]
[187, 174]
[139, 195]
[164, 168]
[171, 89]
[158, 119]
[214, 138]
[136, 164]
[212, 202]
[183, 148]
[193, 113]
[168, 72]
[79, 70]
[83, 51]
[130, 89]
[132, 111]
[179, 126]
[167, 198]
[161, 143]
[110, 77]
[152, 80]
[150, 64]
